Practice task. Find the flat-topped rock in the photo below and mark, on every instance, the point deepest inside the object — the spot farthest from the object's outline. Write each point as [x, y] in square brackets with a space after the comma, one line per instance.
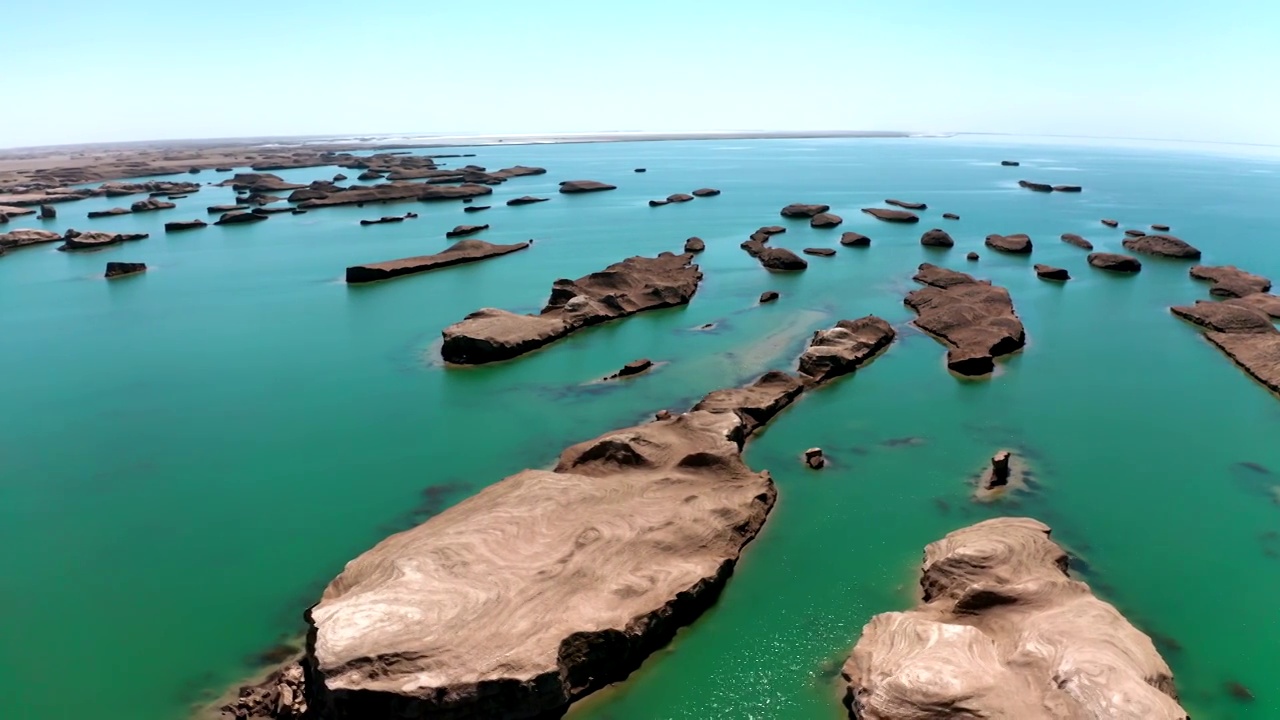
[240, 218]
[937, 237]
[180, 225]
[825, 220]
[820, 252]
[706, 192]
[974, 320]
[634, 285]
[1115, 262]
[1164, 246]
[1225, 317]
[475, 208]
[1049, 272]
[887, 215]
[1078, 241]
[569, 187]
[1010, 163]
[842, 349]
[24, 237]
[694, 245]
[1067, 188]
[755, 404]
[770, 230]
[93, 240]
[635, 367]
[950, 216]
[1244, 332]
[1159, 228]
[800, 210]
[853, 239]
[1038, 187]
[1002, 631]
[219, 209]
[640, 170]
[679, 198]
[1134, 233]
[1230, 281]
[120, 269]
[380, 221]
[151, 205]
[463, 251]
[465, 230]
[1017, 244]
[768, 296]
[907, 205]
[1265, 303]
[95, 214]
[396, 191]
[1110, 223]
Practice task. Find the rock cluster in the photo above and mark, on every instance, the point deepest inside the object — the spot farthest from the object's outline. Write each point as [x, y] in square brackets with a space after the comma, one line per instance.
[974, 319]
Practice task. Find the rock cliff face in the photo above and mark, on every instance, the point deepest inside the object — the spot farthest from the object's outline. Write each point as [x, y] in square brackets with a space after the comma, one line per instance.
[463, 251]
[1004, 632]
[974, 319]
[625, 288]
[547, 585]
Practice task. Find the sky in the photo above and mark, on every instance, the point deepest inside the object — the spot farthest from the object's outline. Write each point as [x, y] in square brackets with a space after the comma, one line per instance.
[84, 71]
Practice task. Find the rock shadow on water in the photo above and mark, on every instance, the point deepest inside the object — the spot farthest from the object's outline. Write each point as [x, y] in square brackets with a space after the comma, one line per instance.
[1257, 479]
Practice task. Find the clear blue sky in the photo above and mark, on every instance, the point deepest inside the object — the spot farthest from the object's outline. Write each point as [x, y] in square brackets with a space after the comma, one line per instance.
[80, 71]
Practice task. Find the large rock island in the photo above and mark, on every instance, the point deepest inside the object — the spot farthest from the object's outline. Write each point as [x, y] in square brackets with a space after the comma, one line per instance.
[973, 318]
[1004, 632]
[625, 288]
[1243, 330]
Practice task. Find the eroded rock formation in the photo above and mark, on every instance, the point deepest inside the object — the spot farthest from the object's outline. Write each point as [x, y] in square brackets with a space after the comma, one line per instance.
[694, 245]
[842, 349]
[1018, 244]
[853, 239]
[180, 225]
[118, 269]
[1049, 272]
[898, 216]
[569, 187]
[800, 210]
[825, 220]
[937, 237]
[1243, 331]
[907, 205]
[1078, 241]
[1115, 262]
[1002, 631]
[465, 230]
[1162, 245]
[463, 251]
[1230, 281]
[24, 237]
[974, 319]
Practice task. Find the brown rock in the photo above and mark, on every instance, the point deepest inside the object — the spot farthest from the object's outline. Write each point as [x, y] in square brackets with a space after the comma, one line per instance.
[75, 240]
[151, 205]
[844, 348]
[369, 175]
[1134, 233]
[694, 245]
[999, 470]
[706, 192]
[94, 214]
[463, 251]
[1067, 188]
[853, 239]
[1164, 246]
[118, 269]
[1115, 262]
[339, 177]
[1078, 241]
[48, 212]
[1160, 228]
[907, 205]
[240, 218]
[950, 216]
[1265, 303]
[898, 216]
[1110, 223]
[475, 208]
[22, 238]
[825, 220]
[975, 320]
[635, 367]
[994, 595]
[382, 220]
[180, 225]
[1048, 272]
[821, 252]
[659, 203]
[1019, 244]
[1243, 333]
[937, 237]
[798, 210]
[780, 259]
[218, 209]
[769, 230]
[307, 193]
[972, 256]
[631, 286]
[1230, 281]
[569, 187]
[768, 296]
[679, 198]
[1038, 187]
[756, 404]
[465, 230]
[814, 458]
[526, 200]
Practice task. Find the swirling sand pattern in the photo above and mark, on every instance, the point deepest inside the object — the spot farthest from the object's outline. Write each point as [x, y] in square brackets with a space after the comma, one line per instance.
[1005, 633]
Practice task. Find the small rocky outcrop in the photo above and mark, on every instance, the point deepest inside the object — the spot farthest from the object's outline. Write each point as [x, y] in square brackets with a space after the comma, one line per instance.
[95, 214]
[119, 269]
[180, 225]
[772, 258]
[1159, 228]
[380, 221]
[799, 210]
[151, 205]
[1115, 262]
[463, 251]
[1049, 272]
[465, 230]
[48, 212]
[640, 170]
[635, 367]
[971, 257]
[974, 319]
[896, 216]
[1134, 233]
[694, 245]
[658, 203]
[240, 218]
[705, 192]
[339, 177]
[1230, 281]
[825, 220]
[1002, 631]
[1018, 244]
[75, 240]
[22, 238]
[907, 205]
[844, 348]
[526, 200]
[679, 198]
[1110, 223]
[768, 296]
[1010, 163]
[820, 252]
[950, 216]
[814, 458]
[1164, 246]
[369, 175]
[1078, 241]
[1037, 187]
[475, 208]
[309, 193]
[769, 231]
[219, 209]
[937, 237]
[570, 187]
[853, 239]
[1067, 188]
[634, 285]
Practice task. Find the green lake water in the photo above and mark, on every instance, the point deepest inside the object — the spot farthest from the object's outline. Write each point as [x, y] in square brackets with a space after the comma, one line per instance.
[190, 455]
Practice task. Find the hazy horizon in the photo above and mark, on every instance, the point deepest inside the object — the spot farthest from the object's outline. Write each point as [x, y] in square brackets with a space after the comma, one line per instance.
[1177, 71]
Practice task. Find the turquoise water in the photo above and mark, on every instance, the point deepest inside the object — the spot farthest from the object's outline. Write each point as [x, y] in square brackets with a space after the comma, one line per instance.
[191, 454]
